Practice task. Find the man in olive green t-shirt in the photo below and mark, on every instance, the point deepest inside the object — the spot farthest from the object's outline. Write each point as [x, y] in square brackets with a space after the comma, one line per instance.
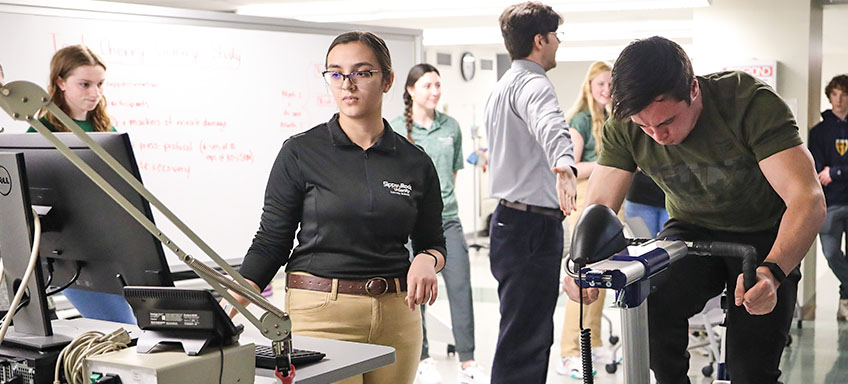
[726, 151]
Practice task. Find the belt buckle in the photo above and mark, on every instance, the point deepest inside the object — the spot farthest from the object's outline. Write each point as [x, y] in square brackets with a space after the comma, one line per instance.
[374, 280]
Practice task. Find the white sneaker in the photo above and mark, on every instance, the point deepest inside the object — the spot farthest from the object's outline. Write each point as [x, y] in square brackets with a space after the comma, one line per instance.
[473, 374]
[428, 372]
[572, 366]
[601, 355]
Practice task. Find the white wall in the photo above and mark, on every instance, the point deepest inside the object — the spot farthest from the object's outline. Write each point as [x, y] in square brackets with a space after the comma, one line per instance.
[834, 46]
[731, 31]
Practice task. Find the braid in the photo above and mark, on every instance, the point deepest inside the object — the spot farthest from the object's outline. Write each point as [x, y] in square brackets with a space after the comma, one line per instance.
[407, 115]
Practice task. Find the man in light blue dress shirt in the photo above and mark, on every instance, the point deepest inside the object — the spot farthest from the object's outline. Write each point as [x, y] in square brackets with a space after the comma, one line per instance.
[533, 176]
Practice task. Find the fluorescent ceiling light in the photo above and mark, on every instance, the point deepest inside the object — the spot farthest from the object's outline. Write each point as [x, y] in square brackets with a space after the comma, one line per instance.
[344, 11]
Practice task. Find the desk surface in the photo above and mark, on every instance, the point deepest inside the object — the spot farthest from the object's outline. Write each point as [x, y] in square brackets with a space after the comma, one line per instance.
[344, 359]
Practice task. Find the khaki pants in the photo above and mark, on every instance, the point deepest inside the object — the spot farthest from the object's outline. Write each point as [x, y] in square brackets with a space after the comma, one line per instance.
[384, 320]
[570, 343]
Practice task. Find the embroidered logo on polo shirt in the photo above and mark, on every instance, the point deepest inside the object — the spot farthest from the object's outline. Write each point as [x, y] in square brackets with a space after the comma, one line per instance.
[400, 189]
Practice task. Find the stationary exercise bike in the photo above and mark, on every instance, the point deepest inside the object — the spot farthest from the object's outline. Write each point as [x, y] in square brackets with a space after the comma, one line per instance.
[601, 257]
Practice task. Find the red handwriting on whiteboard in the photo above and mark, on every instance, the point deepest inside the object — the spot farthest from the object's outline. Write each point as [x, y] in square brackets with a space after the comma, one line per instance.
[131, 52]
[324, 100]
[169, 146]
[130, 84]
[226, 152]
[174, 169]
[133, 104]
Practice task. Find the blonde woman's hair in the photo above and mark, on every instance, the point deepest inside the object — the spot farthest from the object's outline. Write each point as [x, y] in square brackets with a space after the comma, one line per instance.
[65, 61]
[586, 101]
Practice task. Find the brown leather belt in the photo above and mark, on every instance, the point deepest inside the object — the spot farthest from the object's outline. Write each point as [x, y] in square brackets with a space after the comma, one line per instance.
[534, 209]
[375, 286]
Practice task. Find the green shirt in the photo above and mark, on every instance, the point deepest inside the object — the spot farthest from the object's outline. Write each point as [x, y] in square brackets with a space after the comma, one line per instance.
[443, 142]
[712, 179]
[582, 122]
[85, 125]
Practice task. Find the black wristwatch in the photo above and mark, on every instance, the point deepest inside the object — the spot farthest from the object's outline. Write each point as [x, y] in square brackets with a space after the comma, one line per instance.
[775, 271]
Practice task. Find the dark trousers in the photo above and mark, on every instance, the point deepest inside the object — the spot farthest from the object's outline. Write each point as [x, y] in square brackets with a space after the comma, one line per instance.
[525, 255]
[754, 343]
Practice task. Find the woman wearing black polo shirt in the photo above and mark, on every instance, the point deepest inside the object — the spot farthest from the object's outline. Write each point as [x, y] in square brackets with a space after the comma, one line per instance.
[358, 191]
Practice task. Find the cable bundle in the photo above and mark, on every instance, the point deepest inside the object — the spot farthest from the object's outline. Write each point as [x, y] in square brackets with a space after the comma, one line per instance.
[85, 345]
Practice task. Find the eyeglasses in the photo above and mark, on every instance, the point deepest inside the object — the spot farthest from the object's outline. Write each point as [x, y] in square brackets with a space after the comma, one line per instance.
[337, 78]
[560, 35]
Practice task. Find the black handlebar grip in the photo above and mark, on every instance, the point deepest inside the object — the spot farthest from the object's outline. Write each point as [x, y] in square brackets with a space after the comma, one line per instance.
[747, 253]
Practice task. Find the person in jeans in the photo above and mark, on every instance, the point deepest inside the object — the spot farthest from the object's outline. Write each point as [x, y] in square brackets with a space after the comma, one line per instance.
[829, 143]
[532, 174]
[646, 201]
[358, 191]
[725, 149]
[440, 137]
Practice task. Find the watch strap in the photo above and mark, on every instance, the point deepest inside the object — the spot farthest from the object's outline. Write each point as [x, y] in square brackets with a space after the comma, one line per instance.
[776, 271]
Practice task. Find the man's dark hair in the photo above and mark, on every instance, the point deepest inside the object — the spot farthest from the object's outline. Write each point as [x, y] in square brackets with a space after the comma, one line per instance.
[520, 23]
[837, 82]
[647, 69]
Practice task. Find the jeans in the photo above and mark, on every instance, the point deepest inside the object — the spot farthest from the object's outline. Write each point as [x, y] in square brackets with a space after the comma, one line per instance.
[457, 275]
[525, 255]
[834, 228]
[654, 217]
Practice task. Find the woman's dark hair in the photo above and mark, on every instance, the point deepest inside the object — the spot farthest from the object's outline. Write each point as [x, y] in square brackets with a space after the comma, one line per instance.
[837, 82]
[415, 73]
[647, 69]
[373, 42]
[520, 23]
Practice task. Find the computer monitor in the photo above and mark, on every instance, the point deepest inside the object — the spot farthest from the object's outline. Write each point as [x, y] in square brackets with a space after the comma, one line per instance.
[84, 231]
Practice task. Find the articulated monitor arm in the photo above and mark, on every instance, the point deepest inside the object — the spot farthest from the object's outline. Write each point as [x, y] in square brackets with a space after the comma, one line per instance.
[22, 100]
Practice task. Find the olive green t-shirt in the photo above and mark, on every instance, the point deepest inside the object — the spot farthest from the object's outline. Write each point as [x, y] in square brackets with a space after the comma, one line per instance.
[712, 179]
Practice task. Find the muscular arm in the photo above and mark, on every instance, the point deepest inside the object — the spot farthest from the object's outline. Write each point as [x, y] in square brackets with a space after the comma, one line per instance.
[608, 186]
[792, 175]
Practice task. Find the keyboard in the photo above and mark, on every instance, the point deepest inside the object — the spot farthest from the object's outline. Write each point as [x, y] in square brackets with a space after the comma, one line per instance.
[299, 357]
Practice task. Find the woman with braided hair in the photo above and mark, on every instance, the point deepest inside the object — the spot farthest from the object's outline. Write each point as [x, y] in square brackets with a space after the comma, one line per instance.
[440, 137]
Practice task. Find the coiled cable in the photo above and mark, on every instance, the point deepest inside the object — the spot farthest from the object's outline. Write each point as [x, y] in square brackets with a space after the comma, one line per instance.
[72, 358]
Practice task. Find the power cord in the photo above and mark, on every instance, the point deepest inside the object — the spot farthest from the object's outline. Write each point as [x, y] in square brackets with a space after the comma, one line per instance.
[585, 339]
[68, 284]
[33, 262]
[88, 344]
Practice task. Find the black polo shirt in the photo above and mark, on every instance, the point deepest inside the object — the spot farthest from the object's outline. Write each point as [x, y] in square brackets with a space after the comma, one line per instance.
[356, 208]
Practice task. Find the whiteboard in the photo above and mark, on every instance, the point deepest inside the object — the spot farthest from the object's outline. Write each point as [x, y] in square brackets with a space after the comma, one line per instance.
[208, 98]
